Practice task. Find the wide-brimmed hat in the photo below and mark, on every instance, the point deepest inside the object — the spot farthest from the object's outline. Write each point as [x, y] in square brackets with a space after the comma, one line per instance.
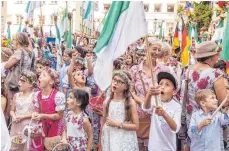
[206, 49]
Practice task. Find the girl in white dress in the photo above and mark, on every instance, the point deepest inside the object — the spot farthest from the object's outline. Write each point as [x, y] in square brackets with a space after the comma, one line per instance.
[120, 120]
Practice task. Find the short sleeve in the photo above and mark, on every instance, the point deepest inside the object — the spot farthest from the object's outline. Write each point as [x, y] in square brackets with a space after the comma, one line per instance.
[16, 55]
[217, 74]
[35, 100]
[60, 101]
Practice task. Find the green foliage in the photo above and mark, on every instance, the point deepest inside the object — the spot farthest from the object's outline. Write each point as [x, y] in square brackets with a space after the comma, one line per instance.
[202, 15]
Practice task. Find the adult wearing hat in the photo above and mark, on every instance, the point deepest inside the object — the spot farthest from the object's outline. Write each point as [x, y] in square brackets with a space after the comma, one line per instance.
[203, 75]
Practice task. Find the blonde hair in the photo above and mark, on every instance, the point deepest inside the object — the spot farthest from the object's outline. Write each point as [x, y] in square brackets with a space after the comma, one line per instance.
[23, 40]
[201, 95]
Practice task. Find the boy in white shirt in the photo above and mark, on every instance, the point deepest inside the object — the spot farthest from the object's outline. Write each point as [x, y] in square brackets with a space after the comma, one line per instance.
[166, 117]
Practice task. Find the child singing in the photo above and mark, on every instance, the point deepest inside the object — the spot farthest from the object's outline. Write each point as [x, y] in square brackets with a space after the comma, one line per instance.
[78, 132]
[22, 107]
[120, 118]
[166, 117]
[50, 103]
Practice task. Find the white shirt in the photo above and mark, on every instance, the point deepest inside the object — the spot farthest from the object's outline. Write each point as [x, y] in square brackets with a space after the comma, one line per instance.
[161, 137]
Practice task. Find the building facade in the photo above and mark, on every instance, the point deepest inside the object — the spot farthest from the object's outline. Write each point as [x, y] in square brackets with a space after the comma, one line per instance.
[15, 9]
[155, 12]
[3, 16]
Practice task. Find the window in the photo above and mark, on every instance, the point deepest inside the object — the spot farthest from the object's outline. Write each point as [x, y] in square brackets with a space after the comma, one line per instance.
[96, 6]
[43, 2]
[2, 4]
[42, 20]
[53, 3]
[146, 7]
[2, 20]
[157, 7]
[81, 11]
[106, 7]
[80, 27]
[18, 2]
[52, 20]
[170, 8]
[17, 19]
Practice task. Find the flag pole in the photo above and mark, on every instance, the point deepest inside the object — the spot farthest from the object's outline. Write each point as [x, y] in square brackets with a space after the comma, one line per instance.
[150, 65]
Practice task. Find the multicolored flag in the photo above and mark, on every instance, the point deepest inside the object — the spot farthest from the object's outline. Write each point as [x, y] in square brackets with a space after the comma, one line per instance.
[185, 46]
[176, 42]
[118, 33]
[31, 6]
[64, 25]
[227, 67]
[8, 33]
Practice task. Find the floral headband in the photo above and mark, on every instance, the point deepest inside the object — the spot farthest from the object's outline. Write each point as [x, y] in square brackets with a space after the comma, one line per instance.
[44, 62]
[80, 61]
[124, 76]
[54, 75]
[30, 76]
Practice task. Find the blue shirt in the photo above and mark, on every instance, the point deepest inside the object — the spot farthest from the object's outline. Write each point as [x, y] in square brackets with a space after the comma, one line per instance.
[63, 72]
[208, 139]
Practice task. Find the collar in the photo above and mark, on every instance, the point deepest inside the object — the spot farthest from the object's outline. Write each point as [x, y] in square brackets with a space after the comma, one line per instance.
[201, 112]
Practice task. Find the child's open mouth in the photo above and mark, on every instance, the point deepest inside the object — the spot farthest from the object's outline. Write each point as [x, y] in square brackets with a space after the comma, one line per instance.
[162, 92]
[114, 87]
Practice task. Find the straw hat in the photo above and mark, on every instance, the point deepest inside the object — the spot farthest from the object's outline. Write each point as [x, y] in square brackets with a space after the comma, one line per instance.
[206, 49]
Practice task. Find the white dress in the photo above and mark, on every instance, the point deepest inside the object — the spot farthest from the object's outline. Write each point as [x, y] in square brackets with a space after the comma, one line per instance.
[114, 139]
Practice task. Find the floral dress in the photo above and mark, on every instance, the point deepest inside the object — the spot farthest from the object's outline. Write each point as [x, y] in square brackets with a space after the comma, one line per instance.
[76, 134]
[114, 139]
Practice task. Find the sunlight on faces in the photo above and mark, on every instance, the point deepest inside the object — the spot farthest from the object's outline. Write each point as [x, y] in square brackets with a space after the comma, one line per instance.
[118, 85]
[45, 80]
[79, 77]
[66, 57]
[78, 66]
[24, 84]
[72, 103]
[128, 60]
[167, 89]
[39, 68]
[155, 50]
[210, 102]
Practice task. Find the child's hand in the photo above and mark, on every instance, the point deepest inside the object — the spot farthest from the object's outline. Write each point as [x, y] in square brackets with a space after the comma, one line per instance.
[205, 122]
[34, 114]
[155, 90]
[63, 141]
[159, 111]
[38, 117]
[111, 122]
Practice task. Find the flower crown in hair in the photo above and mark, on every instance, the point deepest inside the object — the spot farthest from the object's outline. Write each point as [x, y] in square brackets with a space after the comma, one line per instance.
[54, 75]
[80, 61]
[124, 75]
[30, 76]
[44, 62]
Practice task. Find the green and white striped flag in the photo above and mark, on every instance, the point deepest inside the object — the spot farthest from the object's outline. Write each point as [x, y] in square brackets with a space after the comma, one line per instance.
[218, 35]
[19, 28]
[64, 25]
[31, 6]
[87, 9]
[124, 25]
[8, 33]
[160, 33]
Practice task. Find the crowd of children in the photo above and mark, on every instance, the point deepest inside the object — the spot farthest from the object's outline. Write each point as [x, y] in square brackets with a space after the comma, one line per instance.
[138, 112]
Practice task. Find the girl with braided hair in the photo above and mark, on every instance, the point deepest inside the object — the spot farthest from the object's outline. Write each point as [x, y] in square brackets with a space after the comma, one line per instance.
[120, 120]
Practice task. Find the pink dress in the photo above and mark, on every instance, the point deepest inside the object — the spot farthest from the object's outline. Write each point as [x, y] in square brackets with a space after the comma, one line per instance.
[50, 105]
[24, 105]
